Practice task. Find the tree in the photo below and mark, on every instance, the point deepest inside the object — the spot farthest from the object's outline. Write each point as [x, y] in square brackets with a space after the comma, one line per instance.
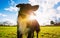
[52, 22]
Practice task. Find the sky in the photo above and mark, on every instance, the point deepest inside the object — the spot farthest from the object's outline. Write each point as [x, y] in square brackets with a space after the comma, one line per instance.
[48, 10]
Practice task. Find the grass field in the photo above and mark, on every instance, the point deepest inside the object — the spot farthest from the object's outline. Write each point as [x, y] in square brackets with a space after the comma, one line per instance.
[46, 32]
[8, 32]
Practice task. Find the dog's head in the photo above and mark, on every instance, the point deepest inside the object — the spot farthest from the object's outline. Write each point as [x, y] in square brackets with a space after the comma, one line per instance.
[27, 7]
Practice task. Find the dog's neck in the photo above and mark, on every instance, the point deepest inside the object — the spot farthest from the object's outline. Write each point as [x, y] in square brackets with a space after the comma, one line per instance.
[24, 15]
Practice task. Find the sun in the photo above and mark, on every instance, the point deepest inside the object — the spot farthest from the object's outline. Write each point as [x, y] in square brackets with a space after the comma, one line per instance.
[32, 17]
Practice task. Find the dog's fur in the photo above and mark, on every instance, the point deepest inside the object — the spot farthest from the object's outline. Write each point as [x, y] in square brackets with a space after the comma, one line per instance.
[26, 26]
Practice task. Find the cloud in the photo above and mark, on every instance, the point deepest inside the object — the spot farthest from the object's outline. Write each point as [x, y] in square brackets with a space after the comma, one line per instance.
[12, 7]
[12, 3]
[58, 12]
[46, 12]
[4, 15]
[58, 8]
[10, 21]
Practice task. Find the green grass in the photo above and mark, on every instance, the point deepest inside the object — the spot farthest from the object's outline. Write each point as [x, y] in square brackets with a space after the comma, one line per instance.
[50, 32]
[8, 32]
[46, 32]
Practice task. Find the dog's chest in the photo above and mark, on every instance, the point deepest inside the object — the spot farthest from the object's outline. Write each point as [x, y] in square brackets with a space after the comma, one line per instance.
[22, 22]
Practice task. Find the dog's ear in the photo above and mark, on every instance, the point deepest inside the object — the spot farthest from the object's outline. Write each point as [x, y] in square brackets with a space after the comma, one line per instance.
[35, 7]
[19, 5]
